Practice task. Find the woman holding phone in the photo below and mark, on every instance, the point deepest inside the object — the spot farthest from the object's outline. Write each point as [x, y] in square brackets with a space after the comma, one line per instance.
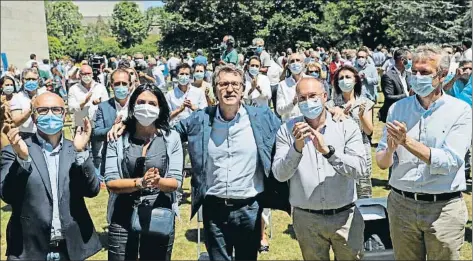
[144, 166]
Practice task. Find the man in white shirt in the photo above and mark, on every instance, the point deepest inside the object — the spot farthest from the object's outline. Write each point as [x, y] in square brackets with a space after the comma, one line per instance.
[274, 73]
[258, 89]
[157, 74]
[173, 62]
[425, 140]
[184, 98]
[22, 102]
[83, 100]
[286, 94]
[31, 61]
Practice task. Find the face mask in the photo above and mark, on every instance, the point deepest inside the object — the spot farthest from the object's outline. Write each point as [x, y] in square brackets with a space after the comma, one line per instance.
[50, 124]
[259, 49]
[253, 71]
[464, 77]
[315, 74]
[361, 61]
[121, 92]
[86, 79]
[31, 85]
[346, 85]
[8, 89]
[183, 79]
[146, 114]
[311, 109]
[296, 68]
[409, 64]
[422, 84]
[199, 75]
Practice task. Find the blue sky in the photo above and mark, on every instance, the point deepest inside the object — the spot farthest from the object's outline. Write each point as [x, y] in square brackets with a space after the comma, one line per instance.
[148, 4]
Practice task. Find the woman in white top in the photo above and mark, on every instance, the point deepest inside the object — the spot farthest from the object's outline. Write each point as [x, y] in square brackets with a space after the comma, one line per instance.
[257, 86]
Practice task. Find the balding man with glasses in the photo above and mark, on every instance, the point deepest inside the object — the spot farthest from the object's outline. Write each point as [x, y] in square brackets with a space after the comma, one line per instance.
[45, 179]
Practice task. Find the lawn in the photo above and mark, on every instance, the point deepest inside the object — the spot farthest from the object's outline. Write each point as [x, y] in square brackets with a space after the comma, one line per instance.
[283, 246]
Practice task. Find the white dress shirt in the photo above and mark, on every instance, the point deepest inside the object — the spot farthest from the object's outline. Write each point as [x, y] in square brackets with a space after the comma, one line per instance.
[402, 77]
[176, 97]
[285, 96]
[274, 73]
[445, 128]
[122, 111]
[78, 93]
[256, 98]
[21, 101]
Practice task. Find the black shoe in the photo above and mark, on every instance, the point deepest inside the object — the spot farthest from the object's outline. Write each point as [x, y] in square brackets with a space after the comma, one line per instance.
[263, 249]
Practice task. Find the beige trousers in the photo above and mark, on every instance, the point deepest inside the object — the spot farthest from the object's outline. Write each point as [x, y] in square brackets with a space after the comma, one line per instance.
[426, 230]
[316, 233]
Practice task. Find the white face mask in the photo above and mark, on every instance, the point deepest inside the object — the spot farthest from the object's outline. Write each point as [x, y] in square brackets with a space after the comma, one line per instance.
[346, 85]
[86, 79]
[146, 114]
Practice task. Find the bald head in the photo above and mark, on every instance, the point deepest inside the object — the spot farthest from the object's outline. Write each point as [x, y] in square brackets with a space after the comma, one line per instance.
[85, 69]
[309, 88]
[48, 99]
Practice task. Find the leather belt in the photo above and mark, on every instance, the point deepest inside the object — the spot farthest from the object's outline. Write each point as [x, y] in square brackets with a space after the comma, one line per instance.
[329, 212]
[229, 202]
[427, 197]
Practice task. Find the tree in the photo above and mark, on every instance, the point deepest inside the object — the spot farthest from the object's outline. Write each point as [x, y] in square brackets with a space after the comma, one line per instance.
[100, 28]
[56, 50]
[155, 16]
[63, 21]
[128, 24]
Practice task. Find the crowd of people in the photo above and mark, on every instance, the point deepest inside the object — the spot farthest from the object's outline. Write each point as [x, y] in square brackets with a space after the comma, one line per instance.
[290, 131]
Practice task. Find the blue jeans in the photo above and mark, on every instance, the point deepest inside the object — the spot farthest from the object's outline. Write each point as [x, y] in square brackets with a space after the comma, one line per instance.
[125, 245]
[228, 227]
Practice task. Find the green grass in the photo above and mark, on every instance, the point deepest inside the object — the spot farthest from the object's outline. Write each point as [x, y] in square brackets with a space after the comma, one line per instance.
[282, 246]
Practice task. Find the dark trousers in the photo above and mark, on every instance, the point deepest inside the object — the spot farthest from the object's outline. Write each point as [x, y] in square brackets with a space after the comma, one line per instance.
[274, 97]
[468, 164]
[125, 245]
[228, 227]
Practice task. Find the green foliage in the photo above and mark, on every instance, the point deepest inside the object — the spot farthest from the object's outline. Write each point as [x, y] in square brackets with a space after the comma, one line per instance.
[101, 28]
[63, 21]
[128, 24]
[56, 50]
[310, 23]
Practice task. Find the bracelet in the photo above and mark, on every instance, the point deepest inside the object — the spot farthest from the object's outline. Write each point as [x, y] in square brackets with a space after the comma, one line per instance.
[139, 183]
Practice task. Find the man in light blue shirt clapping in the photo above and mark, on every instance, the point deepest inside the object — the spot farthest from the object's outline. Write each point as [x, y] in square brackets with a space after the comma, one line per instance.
[425, 140]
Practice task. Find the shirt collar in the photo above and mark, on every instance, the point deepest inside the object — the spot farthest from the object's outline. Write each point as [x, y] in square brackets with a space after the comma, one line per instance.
[118, 106]
[241, 112]
[47, 146]
[434, 106]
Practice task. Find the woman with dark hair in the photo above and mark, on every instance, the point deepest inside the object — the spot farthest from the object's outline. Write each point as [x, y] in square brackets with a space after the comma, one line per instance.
[8, 86]
[258, 87]
[348, 100]
[143, 169]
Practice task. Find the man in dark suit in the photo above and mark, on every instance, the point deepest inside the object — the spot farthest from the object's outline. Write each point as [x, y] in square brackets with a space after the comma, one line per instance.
[113, 110]
[395, 82]
[45, 179]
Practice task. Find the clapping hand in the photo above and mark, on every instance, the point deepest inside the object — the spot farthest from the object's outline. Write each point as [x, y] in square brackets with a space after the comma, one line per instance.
[18, 144]
[319, 142]
[188, 104]
[116, 131]
[151, 178]
[362, 109]
[82, 137]
[301, 131]
[397, 131]
[97, 101]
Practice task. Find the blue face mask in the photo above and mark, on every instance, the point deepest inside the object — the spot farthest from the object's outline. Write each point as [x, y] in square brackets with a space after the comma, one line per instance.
[50, 124]
[259, 49]
[31, 85]
[253, 71]
[409, 64]
[183, 79]
[199, 75]
[315, 74]
[311, 109]
[296, 68]
[121, 92]
[422, 84]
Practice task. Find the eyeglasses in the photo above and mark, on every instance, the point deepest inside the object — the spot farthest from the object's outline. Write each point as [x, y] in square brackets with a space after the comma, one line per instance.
[152, 103]
[235, 85]
[467, 68]
[31, 79]
[309, 72]
[45, 110]
[115, 84]
[295, 60]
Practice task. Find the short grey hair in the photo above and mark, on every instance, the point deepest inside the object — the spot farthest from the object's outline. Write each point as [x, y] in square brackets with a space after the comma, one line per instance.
[227, 68]
[256, 40]
[29, 70]
[432, 53]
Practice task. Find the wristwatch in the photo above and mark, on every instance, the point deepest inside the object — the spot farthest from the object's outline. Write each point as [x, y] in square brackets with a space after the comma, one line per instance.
[330, 153]
[139, 183]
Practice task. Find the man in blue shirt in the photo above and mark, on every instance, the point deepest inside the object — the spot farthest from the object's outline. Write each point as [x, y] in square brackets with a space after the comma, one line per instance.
[200, 58]
[459, 85]
[368, 75]
[428, 135]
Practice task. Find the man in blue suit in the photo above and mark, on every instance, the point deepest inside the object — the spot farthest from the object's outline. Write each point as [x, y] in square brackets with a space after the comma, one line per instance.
[45, 179]
[230, 147]
[114, 110]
